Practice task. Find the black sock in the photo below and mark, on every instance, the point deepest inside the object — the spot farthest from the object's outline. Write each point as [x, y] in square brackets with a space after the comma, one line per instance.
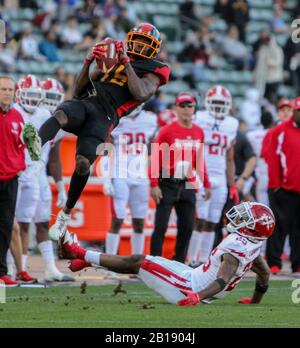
[77, 185]
[49, 130]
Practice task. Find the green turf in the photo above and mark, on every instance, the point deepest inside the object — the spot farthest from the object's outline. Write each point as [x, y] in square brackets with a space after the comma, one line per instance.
[140, 307]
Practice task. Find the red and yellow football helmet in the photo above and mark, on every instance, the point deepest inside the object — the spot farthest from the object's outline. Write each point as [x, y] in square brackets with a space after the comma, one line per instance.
[143, 41]
[252, 220]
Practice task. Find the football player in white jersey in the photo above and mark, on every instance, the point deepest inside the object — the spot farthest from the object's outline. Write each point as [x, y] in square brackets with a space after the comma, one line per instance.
[249, 224]
[261, 171]
[130, 183]
[220, 130]
[34, 193]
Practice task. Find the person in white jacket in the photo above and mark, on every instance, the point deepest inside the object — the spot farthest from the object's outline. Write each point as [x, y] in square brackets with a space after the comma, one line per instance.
[268, 73]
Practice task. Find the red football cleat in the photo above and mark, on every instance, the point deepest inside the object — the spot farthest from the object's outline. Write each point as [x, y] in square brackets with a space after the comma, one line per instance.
[275, 269]
[69, 246]
[25, 277]
[9, 283]
[245, 300]
[77, 265]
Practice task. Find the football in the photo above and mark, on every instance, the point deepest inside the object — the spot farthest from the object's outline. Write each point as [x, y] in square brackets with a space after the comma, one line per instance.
[111, 58]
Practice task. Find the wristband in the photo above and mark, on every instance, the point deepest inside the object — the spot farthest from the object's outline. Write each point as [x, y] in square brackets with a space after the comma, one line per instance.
[87, 62]
[125, 60]
[261, 288]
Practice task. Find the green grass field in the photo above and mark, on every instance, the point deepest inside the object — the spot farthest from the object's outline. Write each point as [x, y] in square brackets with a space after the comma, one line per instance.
[140, 307]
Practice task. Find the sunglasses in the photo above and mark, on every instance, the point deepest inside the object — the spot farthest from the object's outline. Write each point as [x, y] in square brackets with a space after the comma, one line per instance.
[186, 105]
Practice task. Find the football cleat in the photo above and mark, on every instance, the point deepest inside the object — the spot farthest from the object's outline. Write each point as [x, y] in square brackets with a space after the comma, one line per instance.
[9, 283]
[60, 225]
[69, 247]
[26, 278]
[275, 269]
[57, 276]
[78, 265]
[31, 139]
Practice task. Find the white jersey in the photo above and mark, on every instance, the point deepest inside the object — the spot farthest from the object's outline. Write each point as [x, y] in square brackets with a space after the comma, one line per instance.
[130, 139]
[219, 135]
[238, 246]
[40, 116]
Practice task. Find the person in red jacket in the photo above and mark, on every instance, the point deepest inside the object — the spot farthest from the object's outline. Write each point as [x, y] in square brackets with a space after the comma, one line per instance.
[280, 151]
[12, 163]
[176, 155]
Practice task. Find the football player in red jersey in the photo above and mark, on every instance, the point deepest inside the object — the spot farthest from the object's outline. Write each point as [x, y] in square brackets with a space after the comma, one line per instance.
[250, 223]
[97, 105]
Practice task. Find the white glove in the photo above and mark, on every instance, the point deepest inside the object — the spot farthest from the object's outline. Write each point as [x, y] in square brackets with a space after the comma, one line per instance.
[108, 188]
[62, 194]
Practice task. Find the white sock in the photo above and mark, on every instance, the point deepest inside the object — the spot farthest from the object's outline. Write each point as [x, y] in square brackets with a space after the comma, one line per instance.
[194, 246]
[112, 243]
[92, 257]
[206, 245]
[24, 261]
[46, 249]
[9, 257]
[10, 263]
[137, 243]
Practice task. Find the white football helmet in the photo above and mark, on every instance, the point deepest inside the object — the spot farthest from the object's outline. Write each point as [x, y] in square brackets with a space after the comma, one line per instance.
[29, 93]
[54, 94]
[218, 101]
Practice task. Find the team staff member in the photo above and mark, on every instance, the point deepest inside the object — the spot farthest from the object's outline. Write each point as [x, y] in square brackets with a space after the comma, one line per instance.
[171, 190]
[12, 163]
[283, 158]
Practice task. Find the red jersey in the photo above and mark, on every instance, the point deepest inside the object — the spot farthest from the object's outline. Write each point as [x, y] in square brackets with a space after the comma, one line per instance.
[176, 148]
[280, 150]
[12, 154]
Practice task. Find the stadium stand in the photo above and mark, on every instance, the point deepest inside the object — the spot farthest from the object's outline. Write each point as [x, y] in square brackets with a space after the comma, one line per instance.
[165, 15]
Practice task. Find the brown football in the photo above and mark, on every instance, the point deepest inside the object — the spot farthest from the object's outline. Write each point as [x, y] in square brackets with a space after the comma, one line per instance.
[111, 58]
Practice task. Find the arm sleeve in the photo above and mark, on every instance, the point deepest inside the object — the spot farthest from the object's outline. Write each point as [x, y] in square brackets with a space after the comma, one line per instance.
[200, 164]
[163, 73]
[273, 160]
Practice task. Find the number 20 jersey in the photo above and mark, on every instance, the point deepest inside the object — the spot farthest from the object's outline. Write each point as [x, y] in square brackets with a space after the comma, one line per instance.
[130, 139]
[218, 138]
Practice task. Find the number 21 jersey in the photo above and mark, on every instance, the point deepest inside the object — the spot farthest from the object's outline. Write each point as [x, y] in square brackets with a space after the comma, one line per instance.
[218, 138]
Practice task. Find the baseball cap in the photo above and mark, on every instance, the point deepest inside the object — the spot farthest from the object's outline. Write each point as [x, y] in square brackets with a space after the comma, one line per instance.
[284, 102]
[185, 97]
[297, 103]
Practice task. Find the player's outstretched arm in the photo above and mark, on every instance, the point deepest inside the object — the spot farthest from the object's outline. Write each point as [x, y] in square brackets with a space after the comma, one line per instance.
[226, 271]
[83, 78]
[262, 281]
[141, 88]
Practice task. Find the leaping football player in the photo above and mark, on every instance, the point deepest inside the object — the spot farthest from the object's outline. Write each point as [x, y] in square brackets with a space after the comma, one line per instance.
[98, 105]
[250, 223]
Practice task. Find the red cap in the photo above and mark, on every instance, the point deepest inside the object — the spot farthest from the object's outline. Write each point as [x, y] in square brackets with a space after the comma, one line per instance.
[284, 102]
[297, 103]
[185, 97]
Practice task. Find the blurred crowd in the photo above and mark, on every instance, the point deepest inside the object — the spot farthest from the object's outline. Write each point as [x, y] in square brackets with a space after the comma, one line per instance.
[59, 24]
